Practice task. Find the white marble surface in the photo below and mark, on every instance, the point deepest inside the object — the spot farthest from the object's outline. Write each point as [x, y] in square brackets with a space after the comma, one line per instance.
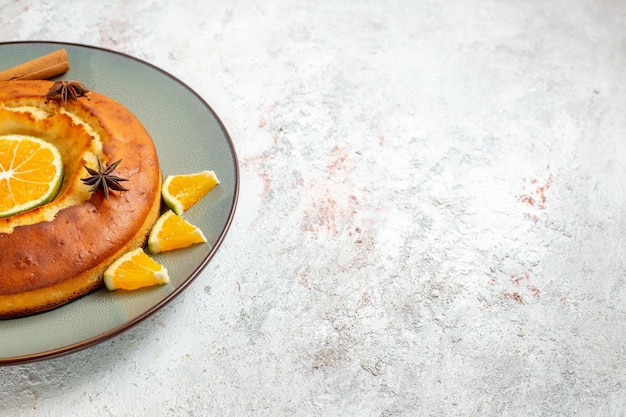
[431, 215]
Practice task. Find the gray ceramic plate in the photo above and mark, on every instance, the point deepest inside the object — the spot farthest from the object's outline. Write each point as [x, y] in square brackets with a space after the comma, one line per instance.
[189, 137]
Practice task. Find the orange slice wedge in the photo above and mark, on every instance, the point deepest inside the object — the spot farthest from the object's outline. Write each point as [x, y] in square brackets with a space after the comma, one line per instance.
[180, 192]
[133, 270]
[171, 232]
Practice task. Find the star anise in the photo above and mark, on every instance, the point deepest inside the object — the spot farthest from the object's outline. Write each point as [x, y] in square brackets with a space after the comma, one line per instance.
[104, 179]
[67, 90]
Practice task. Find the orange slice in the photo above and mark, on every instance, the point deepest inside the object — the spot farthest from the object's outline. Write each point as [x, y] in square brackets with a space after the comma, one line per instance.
[133, 270]
[171, 232]
[31, 172]
[182, 191]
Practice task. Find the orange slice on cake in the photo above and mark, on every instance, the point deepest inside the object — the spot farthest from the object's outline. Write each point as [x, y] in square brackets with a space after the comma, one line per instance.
[31, 172]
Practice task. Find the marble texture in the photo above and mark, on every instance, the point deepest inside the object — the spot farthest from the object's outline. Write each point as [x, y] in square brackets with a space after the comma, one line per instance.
[430, 221]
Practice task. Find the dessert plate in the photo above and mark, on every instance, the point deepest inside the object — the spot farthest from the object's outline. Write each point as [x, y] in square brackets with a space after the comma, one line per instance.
[189, 137]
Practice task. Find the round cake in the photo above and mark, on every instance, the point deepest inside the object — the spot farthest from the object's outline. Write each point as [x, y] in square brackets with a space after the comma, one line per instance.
[58, 252]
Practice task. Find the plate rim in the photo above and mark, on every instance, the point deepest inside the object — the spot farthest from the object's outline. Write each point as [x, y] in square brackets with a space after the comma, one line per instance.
[117, 330]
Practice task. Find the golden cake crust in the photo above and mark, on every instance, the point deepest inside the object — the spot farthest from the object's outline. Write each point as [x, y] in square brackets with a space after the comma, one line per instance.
[49, 263]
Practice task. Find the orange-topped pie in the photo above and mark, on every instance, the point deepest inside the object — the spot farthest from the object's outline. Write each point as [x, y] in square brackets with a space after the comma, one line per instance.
[57, 252]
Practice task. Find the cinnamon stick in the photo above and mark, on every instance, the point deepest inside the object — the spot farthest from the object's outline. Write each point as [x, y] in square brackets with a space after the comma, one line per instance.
[40, 68]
